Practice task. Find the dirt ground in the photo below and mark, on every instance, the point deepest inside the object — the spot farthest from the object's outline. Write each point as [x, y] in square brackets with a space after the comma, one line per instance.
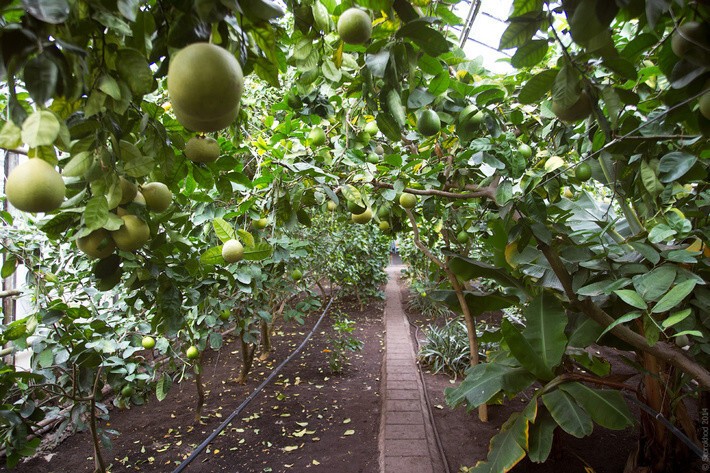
[308, 419]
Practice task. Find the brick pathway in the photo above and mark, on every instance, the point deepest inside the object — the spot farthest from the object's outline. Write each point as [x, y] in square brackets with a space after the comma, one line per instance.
[406, 437]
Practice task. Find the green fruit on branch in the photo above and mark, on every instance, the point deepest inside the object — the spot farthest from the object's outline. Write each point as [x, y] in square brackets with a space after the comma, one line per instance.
[97, 244]
[205, 85]
[379, 150]
[128, 191]
[363, 217]
[469, 121]
[354, 26]
[371, 128]
[332, 205]
[260, 223]
[202, 149]
[192, 353]
[525, 151]
[580, 110]
[384, 226]
[148, 342]
[232, 251]
[127, 391]
[132, 235]
[691, 41]
[429, 123]
[316, 137]
[355, 208]
[462, 237]
[583, 172]
[407, 200]
[157, 196]
[35, 186]
[296, 274]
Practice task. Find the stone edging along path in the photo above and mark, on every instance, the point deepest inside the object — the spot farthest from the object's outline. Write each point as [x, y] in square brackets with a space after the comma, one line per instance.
[406, 441]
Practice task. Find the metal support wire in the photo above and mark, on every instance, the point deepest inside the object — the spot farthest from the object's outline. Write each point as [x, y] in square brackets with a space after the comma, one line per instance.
[470, 18]
[246, 401]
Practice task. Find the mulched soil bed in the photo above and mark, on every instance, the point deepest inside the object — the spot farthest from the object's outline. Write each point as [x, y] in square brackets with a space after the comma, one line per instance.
[465, 439]
[308, 419]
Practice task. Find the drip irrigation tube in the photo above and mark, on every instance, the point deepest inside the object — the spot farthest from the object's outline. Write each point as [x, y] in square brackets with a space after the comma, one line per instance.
[246, 401]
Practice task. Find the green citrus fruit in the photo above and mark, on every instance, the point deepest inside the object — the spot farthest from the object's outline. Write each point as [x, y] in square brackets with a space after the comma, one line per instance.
[260, 223]
[583, 172]
[97, 244]
[157, 196]
[371, 128]
[429, 123]
[127, 391]
[379, 150]
[384, 226]
[192, 352]
[354, 26]
[232, 251]
[296, 274]
[148, 342]
[462, 237]
[316, 137]
[384, 211]
[225, 314]
[128, 191]
[202, 149]
[35, 186]
[373, 158]
[205, 84]
[525, 150]
[407, 200]
[469, 121]
[132, 235]
[705, 105]
[355, 208]
[107, 266]
[363, 217]
[332, 205]
[580, 110]
[691, 41]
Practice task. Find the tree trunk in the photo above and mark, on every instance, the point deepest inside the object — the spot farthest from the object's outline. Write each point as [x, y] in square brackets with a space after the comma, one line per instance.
[200, 391]
[265, 345]
[248, 350]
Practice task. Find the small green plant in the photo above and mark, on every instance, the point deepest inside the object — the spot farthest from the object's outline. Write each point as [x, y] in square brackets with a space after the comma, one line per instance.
[420, 302]
[341, 343]
[446, 348]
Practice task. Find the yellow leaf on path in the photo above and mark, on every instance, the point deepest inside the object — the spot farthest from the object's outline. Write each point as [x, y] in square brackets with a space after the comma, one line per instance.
[347, 421]
[315, 462]
[290, 448]
[349, 432]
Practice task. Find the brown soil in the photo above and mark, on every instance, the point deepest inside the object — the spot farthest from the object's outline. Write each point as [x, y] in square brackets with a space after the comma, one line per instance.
[308, 419]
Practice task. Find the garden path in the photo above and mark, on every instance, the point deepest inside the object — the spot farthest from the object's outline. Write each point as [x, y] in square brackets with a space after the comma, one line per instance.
[407, 441]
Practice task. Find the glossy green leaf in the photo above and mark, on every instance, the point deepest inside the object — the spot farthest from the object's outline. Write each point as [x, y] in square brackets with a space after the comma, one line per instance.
[545, 330]
[162, 387]
[482, 382]
[632, 298]
[212, 256]
[674, 165]
[567, 413]
[541, 436]
[134, 70]
[530, 54]
[675, 296]
[223, 230]
[606, 406]
[676, 318]
[41, 128]
[428, 39]
[621, 320]
[538, 86]
[654, 284]
[245, 237]
[525, 354]
[96, 212]
[257, 252]
[10, 135]
[49, 11]
[505, 450]
[41, 75]
[519, 32]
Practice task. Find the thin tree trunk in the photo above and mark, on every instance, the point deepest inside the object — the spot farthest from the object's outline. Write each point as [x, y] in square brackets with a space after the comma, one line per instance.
[200, 391]
[248, 350]
[265, 344]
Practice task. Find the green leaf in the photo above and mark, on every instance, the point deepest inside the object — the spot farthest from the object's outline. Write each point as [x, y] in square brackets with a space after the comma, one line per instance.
[650, 182]
[505, 449]
[675, 296]
[621, 66]
[393, 103]
[9, 265]
[78, 164]
[246, 237]
[109, 86]
[468, 269]
[163, 386]
[565, 90]
[541, 435]
[530, 54]
[223, 230]
[654, 284]
[321, 16]
[40, 129]
[41, 74]
[257, 252]
[389, 127]
[545, 330]
[632, 298]
[10, 135]
[482, 382]
[606, 406]
[49, 11]
[134, 70]
[428, 39]
[567, 413]
[674, 165]
[538, 86]
[670, 321]
[519, 32]
[523, 352]
[606, 286]
[96, 212]
[623, 319]
[212, 256]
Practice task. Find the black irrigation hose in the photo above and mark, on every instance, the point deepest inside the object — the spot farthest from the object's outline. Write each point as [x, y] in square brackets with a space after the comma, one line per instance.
[246, 401]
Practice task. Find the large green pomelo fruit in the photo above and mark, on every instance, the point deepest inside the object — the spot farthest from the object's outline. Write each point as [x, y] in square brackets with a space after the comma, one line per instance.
[580, 110]
[232, 251]
[355, 208]
[354, 26]
[128, 191]
[316, 137]
[97, 244]
[132, 235]
[429, 123]
[407, 200]
[35, 186]
[157, 196]
[202, 149]
[363, 217]
[205, 84]
[691, 41]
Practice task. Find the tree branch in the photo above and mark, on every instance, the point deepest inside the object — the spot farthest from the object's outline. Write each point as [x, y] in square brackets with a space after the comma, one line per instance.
[481, 192]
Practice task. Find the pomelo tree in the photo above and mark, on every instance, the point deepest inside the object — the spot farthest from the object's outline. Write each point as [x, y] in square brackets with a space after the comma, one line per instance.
[618, 259]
